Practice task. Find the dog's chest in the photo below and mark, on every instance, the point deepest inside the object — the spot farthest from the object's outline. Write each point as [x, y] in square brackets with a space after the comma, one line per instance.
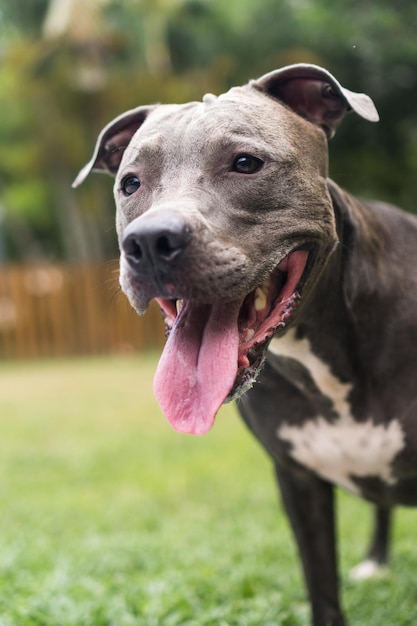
[340, 449]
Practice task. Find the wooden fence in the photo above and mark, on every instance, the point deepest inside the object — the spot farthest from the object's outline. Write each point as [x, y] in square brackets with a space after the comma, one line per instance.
[52, 310]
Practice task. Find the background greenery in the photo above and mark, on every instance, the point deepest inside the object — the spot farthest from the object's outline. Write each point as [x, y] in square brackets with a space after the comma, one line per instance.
[110, 518]
[64, 74]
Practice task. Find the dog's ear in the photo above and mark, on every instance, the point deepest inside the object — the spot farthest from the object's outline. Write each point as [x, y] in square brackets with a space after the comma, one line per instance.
[316, 95]
[112, 142]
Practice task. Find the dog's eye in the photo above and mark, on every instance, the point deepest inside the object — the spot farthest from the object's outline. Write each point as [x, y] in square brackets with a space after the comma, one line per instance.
[247, 164]
[130, 184]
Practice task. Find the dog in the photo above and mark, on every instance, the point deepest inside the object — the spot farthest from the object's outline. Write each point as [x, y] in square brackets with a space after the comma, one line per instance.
[278, 288]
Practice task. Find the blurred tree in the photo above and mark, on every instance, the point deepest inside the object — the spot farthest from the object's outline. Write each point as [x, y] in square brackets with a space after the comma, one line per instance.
[23, 16]
[69, 66]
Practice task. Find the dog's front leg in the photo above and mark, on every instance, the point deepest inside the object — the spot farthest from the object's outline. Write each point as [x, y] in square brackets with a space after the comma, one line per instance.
[309, 504]
[380, 543]
[378, 553]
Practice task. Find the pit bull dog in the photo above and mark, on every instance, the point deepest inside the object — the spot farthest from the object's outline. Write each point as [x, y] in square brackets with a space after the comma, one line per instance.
[265, 270]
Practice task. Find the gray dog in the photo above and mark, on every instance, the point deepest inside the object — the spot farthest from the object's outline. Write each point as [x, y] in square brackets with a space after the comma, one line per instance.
[265, 270]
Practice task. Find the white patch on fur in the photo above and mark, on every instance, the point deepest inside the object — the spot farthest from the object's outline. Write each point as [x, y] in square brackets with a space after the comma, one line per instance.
[345, 448]
[326, 382]
[367, 569]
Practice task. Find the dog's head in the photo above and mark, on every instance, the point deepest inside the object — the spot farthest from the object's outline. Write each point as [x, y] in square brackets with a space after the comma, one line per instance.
[224, 217]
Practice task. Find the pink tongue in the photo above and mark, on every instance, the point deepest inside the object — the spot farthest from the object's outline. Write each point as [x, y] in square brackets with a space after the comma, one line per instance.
[198, 366]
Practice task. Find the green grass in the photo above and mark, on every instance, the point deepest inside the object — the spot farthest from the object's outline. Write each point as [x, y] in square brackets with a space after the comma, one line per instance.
[109, 518]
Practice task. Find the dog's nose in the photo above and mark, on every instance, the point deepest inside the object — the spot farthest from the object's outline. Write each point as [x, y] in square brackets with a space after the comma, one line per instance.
[155, 242]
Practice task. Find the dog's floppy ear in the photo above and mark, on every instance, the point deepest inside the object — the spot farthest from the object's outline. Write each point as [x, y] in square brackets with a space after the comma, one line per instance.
[112, 142]
[315, 94]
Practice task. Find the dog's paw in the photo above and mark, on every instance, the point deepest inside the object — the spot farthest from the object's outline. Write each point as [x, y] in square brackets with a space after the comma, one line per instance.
[368, 569]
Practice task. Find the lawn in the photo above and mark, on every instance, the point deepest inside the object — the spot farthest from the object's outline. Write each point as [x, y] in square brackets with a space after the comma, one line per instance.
[109, 518]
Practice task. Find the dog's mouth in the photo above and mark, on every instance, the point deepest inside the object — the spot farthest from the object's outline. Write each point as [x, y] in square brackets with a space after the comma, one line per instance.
[214, 351]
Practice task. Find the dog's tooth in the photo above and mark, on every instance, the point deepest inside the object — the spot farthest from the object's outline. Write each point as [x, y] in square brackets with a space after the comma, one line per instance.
[260, 299]
[249, 334]
[178, 305]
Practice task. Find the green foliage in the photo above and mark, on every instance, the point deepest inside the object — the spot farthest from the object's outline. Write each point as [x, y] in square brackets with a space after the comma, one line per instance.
[109, 518]
[56, 92]
[21, 15]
